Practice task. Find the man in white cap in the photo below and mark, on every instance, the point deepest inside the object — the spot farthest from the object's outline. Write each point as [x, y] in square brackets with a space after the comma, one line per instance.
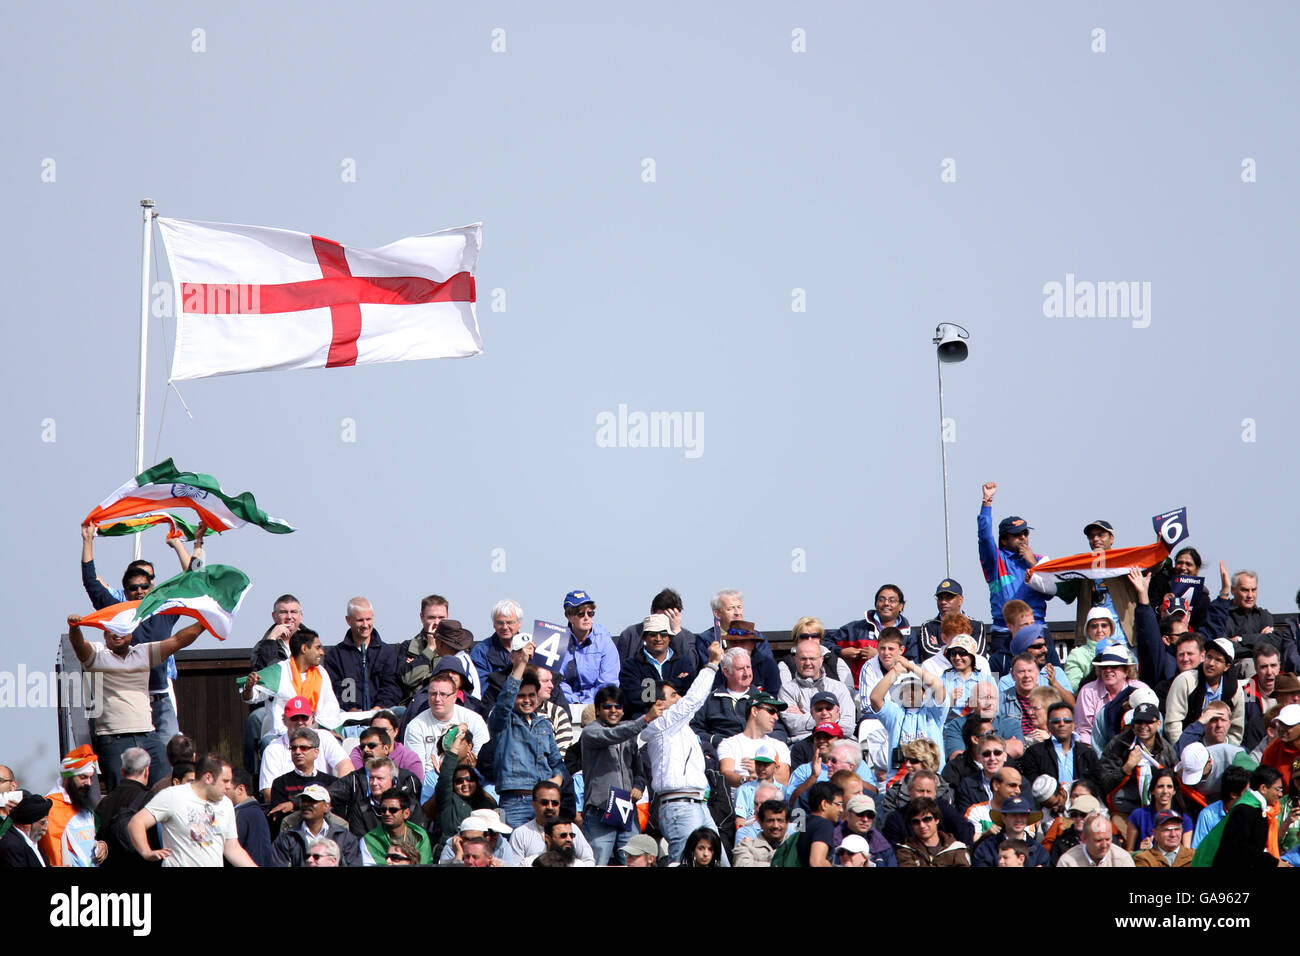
[484, 824]
[1213, 680]
[853, 851]
[641, 850]
[1200, 768]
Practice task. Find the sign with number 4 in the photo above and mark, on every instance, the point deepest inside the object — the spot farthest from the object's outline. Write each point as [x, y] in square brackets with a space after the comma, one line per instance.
[620, 811]
[549, 641]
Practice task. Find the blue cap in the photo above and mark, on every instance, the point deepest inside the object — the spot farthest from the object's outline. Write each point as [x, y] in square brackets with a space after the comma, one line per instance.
[1028, 635]
[577, 599]
[948, 586]
[1013, 525]
[1017, 804]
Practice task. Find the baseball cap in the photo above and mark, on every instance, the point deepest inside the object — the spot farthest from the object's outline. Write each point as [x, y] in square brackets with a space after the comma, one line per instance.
[835, 730]
[1084, 803]
[948, 586]
[1288, 715]
[316, 792]
[765, 753]
[298, 707]
[767, 700]
[1013, 525]
[1099, 523]
[1224, 647]
[1146, 714]
[1176, 605]
[520, 641]
[853, 844]
[1192, 765]
[655, 624]
[641, 845]
[1164, 816]
[861, 803]
[577, 599]
[823, 697]
[1143, 695]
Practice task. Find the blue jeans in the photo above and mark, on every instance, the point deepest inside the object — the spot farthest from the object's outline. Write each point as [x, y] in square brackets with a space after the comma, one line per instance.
[606, 840]
[165, 727]
[517, 808]
[109, 750]
[678, 819]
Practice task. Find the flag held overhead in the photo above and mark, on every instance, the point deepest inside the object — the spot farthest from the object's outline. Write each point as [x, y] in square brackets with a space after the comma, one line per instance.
[211, 596]
[163, 487]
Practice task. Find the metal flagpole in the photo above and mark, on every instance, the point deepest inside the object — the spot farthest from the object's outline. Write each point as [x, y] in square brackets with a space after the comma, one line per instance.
[147, 245]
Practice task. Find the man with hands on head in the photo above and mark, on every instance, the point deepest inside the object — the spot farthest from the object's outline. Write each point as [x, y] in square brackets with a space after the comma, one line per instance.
[917, 714]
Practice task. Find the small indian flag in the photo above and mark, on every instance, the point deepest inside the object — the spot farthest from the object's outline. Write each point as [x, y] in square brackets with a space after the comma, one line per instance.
[211, 596]
[177, 527]
[163, 486]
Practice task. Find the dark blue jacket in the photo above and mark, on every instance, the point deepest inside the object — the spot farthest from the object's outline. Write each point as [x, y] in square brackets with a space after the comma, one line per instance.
[864, 628]
[637, 679]
[366, 680]
[986, 851]
[1156, 662]
[157, 628]
[253, 830]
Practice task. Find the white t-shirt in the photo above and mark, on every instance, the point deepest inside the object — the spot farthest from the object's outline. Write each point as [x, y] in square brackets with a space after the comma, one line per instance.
[194, 830]
[423, 732]
[276, 760]
[740, 748]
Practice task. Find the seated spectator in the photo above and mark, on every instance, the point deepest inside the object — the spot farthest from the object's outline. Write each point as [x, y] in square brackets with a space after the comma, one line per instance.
[668, 603]
[1040, 699]
[1115, 672]
[858, 820]
[1053, 800]
[757, 850]
[357, 797]
[978, 788]
[250, 819]
[1014, 700]
[528, 840]
[739, 633]
[457, 792]
[962, 762]
[925, 784]
[1013, 853]
[1232, 785]
[395, 828]
[1036, 640]
[276, 759]
[808, 681]
[526, 752]
[20, 837]
[919, 754]
[402, 755]
[1260, 730]
[1213, 680]
[425, 730]
[484, 825]
[1185, 562]
[1006, 783]
[753, 794]
[927, 844]
[1130, 759]
[915, 709]
[300, 677]
[641, 851]
[841, 755]
[703, 849]
[656, 661]
[558, 837]
[853, 851]
[1061, 757]
[311, 822]
[552, 706]
[1117, 714]
[930, 638]
[986, 708]
[362, 667]
[963, 674]
[1284, 750]
[852, 640]
[1204, 755]
[1011, 822]
[1082, 804]
[832, 664]
[492, 656]
[323, 852]
[1168, 847]
[1246, 619]
[1096, 848]
[737, 754]
[727, 708]
[439, 637]
[891, 648]
[304, 745]
[825, 710]
[1165, 800]
[589, 661]
[1099, 632]
[1259, 689]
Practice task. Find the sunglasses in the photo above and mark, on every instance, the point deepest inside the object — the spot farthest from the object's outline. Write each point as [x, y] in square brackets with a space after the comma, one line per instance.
[585, 612]
[1040, 646]
[928, 818]
[1061, 720]
[136, 587]
[611, 706]
[321, 856]
[302, 747]
[386, 810]
[990, 753]
[546, 803]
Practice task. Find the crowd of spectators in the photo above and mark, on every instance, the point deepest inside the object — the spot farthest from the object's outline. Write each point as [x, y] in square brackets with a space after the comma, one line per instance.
[1164, 731]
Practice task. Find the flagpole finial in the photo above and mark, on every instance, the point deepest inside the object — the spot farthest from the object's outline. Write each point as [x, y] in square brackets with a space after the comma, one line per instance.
[147, 203]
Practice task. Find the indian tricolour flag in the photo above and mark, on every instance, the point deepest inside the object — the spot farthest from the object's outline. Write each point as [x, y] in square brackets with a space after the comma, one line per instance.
[177, 527]
[163, 486]
[211, 596]
[1171, 528]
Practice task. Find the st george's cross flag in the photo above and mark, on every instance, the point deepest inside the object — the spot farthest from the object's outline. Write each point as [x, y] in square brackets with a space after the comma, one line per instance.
[252, 299]
[211, 596]
[1171, 528]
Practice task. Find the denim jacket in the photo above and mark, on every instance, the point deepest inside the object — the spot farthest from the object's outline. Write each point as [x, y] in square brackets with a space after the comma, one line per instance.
[526, 752]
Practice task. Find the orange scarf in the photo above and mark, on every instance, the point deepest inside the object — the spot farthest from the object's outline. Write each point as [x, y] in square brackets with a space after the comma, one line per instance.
[306, 685]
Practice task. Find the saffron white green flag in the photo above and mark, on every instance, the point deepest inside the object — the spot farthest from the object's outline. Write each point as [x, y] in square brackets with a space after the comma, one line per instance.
[163, 486]
[177, 527]
[275, 683]
[211, 596]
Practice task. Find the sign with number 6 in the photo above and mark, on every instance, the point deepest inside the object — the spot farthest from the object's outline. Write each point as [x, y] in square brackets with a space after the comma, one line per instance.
[1171, 526]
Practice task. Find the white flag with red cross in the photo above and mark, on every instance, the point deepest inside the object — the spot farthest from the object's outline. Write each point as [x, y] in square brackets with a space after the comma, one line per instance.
[254, 299]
